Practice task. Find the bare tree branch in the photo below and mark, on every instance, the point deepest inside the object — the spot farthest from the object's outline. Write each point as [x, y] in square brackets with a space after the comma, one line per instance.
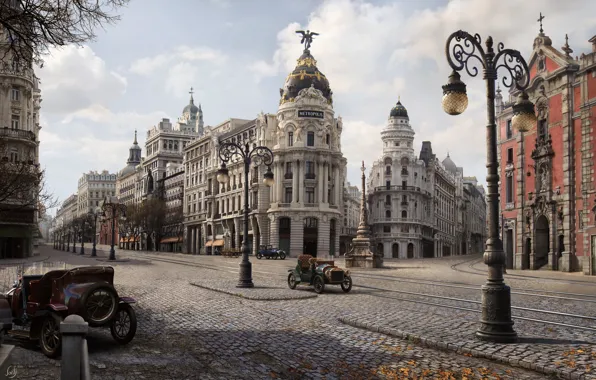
[31, 27]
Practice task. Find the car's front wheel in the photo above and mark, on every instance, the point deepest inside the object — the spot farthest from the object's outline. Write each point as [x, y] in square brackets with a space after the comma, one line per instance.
[282, 255]
[319, 284]
[292, 281]
[346, 286]
[259, 256]
[124, 325]
[50, 340]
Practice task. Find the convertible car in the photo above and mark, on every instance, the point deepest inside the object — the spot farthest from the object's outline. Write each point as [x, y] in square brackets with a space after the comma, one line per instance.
[269, 252]
[318, 273]
[43, 296]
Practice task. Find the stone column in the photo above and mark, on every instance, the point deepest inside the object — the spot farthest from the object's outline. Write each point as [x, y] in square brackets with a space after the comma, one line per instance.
[274, 232]
[297, 236]
[238, 224]
[295, 181]
[326, 182]
[337, 187]
[320, 175]
[323, 242]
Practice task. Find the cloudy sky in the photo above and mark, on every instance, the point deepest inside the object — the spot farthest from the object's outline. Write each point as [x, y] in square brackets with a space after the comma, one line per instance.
[237, 53]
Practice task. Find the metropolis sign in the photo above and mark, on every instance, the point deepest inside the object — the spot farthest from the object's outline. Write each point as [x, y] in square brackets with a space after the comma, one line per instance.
[315, 114]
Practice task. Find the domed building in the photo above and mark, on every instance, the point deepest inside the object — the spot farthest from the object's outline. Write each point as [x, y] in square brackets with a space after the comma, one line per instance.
[415, 202]
[309, 168]
[400, 193]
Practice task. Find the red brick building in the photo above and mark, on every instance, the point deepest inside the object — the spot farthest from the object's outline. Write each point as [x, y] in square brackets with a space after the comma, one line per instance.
[548, 198]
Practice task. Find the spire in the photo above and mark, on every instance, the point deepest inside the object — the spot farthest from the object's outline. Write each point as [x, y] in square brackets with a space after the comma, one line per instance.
[192, 101]
[363, 230]
[200, 109]
[135, 142]
[566, 47]
[540, 21]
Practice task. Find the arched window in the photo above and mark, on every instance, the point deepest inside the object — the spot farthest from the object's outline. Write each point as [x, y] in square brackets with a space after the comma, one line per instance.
[310, 139]
[388, 169]
[290, 138]
[404, 214]
[388, 214]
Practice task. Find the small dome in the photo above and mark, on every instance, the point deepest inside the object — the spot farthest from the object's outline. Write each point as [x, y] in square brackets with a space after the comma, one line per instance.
[305, 74]
[449, 164]
[399, 110]
[191, 109]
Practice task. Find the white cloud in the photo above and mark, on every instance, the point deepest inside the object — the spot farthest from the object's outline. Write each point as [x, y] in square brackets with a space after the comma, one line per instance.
[373, 53]
[74, 78]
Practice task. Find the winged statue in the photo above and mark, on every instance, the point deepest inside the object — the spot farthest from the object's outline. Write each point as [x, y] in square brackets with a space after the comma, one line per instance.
[306, 38]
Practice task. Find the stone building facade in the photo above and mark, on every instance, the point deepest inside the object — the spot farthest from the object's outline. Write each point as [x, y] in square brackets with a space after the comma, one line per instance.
[20, 99]
[302, 211]
[350, 217]
[419, 205]
[549, 197]
[93, 187]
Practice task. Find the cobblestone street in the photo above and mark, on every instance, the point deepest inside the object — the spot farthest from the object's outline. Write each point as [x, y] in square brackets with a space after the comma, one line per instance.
[191, 332]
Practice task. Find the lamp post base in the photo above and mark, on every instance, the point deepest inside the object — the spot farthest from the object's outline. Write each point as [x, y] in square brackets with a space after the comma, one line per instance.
[112, 254]
[245, 280]
[93, 251]
[496, 324]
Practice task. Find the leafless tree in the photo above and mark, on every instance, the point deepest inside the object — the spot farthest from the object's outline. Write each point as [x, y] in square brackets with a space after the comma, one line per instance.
[22, 186]
[31, 27]
[131, 227]
[153, 219]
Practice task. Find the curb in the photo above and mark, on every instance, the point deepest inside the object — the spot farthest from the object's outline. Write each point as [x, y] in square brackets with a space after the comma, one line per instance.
[435, 344]
[3, 264]
[254, 298]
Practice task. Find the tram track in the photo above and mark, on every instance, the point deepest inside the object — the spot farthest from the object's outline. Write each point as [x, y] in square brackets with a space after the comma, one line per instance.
[265, 274]
[477, 272]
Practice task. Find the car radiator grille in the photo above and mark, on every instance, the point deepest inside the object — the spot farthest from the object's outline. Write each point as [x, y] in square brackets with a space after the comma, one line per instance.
[337, 276]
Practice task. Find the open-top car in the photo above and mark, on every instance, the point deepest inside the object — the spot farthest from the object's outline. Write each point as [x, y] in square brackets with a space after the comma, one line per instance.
[45, 294]
[268, 252]
[318, 273]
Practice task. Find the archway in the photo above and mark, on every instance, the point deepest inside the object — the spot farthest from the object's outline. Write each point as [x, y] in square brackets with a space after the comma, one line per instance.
[526, 254]
[541, 242]
[410, 250]
[285, 226]
[311, 234]
[395, 251]
[380, 250]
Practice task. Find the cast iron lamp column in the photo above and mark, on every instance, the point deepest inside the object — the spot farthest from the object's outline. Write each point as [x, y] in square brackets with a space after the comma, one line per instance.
[115, 209]
[94, 214]
[260, 155]
[83, 224]
[495, 324]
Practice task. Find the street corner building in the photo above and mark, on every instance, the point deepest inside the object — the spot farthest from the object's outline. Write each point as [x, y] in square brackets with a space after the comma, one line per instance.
[548, 202]
[421, 207]
[20, 99]
[302, 211]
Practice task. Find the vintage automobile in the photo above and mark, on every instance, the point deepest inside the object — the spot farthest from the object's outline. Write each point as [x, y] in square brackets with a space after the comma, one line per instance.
[269, 252]
[44, 295]
[318, 273]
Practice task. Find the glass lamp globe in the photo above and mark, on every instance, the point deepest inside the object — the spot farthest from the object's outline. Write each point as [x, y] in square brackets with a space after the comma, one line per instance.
[268, 178]
[455, 99]
[524, 117]
[222, 175]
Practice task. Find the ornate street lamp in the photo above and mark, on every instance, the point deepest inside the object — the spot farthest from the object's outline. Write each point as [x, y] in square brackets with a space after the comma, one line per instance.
[113, 209]
[260, 155]
[466, 53]
[94, 213]
[83, 224]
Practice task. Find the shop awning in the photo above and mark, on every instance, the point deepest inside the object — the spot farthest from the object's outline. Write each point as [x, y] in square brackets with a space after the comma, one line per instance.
[171, 240]
[218, 243]
[208, 244]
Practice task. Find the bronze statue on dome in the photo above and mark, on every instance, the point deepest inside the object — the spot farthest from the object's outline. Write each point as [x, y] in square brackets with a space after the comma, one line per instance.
[306, 38]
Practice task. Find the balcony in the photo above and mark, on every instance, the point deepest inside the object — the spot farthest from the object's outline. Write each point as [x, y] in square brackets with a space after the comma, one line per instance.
[21, 72]
[289, 175]
[17, 134]
[310, 176]
[404, 172]
[388, 173]
[404, 203]
[310, 205]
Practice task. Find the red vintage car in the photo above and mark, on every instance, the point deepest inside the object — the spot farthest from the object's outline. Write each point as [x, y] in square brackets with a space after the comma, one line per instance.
[44, 295]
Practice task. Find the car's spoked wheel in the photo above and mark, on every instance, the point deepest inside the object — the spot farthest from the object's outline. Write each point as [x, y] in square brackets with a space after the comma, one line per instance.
[50, 340]
[319, 284]
[346, 286]
[259, 256]
[100, 306]
[292, 281]
[282, 255]
[124, 325]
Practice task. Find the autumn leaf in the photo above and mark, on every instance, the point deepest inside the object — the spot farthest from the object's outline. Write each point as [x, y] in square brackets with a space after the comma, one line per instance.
[412, 362]
[273, 375]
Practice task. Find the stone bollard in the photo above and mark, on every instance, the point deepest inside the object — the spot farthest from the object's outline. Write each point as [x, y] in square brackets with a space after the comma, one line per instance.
[73, 330]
